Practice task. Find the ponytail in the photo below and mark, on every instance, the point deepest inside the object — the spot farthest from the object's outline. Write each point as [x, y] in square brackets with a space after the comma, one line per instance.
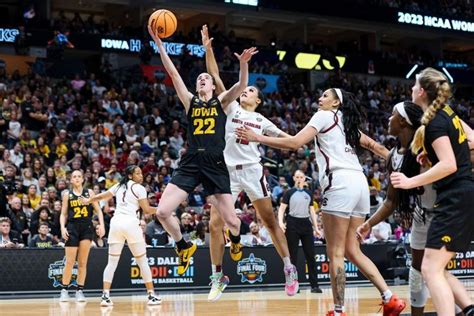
[128, 171]
[438, 92]
[352, 117]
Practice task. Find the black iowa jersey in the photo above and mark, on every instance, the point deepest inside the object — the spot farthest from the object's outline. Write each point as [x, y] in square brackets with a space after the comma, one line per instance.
[206, 125]
[447, 123]
[77, 212]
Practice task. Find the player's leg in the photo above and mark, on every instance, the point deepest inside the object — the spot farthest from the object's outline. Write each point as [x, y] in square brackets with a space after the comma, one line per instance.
[392, 304]
[71, 253]
[82, 257]
[138, 250]
[115, 250]
[216, 247]
[169, 202]
[265, 211]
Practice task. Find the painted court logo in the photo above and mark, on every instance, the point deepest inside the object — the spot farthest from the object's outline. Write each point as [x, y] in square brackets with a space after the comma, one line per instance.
[55, 272]
[251, 269]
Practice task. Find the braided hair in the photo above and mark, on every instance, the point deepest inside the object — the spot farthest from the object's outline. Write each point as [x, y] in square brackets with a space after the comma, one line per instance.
[409, 201]
[438, 91]
[352, 117]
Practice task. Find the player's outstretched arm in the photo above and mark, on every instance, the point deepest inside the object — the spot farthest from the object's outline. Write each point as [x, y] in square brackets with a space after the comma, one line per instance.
[183, 93]
[233, 93]
[211, 64]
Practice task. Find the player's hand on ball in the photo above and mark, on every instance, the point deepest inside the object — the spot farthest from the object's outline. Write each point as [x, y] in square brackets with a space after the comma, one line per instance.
[154, 36]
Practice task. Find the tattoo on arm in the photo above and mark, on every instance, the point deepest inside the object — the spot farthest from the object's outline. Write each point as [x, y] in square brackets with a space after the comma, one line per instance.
[340, 286]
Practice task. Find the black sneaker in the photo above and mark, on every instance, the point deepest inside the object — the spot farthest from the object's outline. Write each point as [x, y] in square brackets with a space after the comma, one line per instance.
[316, 289]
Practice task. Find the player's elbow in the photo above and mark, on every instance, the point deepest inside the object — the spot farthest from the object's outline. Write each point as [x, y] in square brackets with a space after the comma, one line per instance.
[451, 167]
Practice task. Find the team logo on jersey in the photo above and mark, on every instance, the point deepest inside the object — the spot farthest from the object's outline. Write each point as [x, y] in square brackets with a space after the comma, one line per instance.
[325, 202]
[55, 272]
[446, 239]
[251, 269]
[259, 119]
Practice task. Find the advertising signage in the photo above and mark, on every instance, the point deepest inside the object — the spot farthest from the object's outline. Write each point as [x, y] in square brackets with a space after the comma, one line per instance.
[8, 35]
[435, 22]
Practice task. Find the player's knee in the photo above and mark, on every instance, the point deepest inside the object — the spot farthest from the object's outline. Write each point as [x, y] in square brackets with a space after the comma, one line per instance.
[427, 271]
[216, 227]
[162, 213]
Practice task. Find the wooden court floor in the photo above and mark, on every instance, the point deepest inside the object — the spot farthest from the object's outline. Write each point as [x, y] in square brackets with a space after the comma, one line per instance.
[359, 301]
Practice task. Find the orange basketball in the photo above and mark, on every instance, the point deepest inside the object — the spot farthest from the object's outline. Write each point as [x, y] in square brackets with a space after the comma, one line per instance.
[163, 23]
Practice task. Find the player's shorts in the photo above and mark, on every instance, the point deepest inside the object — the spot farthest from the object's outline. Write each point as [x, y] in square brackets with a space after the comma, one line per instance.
[204, 167]
[79, 231]
[453, 218]
[125, 228]
[248, 178]
[419, 231]
[346, 194]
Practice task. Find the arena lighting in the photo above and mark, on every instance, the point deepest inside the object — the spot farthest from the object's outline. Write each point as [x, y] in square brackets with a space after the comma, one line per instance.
[411, 71]
[310, 61]
[448, 74]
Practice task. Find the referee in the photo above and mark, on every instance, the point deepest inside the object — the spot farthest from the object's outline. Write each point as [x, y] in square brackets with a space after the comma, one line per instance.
[299, 226]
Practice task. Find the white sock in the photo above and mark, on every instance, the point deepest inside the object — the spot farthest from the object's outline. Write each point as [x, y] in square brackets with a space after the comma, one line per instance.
[151, 292]
[338, 309]
[106, 292]
[386, 296]
[286, 261]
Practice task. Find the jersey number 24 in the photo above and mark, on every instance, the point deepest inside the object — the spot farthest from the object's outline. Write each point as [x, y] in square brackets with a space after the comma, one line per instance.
[457, 124]
[80, 212]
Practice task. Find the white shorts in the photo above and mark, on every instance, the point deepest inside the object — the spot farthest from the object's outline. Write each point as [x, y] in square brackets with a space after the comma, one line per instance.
[346, 194]
[125, 228]
[419, 232]
[248, 178]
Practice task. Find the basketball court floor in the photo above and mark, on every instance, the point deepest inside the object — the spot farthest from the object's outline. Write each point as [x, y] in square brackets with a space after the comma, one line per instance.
[360, 300]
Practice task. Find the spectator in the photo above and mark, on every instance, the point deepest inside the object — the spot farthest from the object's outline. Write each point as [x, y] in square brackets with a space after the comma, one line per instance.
[258, 239]
[9, 238]
[42, 239]
[97, 241]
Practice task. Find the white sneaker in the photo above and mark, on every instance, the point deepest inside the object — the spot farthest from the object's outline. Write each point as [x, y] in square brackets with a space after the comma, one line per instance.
[105, 300]
[218, 284]
[154, 299]
[64, 297]
[80, 296]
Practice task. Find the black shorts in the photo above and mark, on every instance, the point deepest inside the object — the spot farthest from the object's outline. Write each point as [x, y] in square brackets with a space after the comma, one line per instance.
[453, 221]
[79, 231]
[204, 167]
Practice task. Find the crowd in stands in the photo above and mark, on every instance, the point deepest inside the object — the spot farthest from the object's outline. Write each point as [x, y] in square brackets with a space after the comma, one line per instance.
[50, 127]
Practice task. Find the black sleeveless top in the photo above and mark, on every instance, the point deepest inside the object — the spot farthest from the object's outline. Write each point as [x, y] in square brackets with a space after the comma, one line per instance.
[77, 212]
[206, 125]
[447, 123]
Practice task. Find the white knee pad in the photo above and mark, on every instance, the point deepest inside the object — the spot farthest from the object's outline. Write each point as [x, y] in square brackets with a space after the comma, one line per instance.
[110, 268]
[418, 289]
[144, 268]
[139, 252]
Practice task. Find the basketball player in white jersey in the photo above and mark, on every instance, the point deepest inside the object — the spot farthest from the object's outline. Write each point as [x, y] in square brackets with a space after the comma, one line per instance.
[130, 196]
[246, 174]
[335, 129]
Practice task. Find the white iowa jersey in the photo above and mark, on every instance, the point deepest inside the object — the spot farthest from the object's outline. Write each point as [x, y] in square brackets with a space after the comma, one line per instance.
[238, 152]
[332, 151]
[127, 199]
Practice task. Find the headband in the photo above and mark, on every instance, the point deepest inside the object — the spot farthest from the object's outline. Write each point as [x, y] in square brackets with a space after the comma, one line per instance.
[339, 94]
[400, 107]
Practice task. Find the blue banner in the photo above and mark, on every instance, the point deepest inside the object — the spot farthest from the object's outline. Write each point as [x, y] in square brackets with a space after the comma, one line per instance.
[266, 83]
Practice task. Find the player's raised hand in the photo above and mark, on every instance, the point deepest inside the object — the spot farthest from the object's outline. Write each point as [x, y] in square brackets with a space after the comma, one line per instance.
[155, 37]
[246, 55]
[206, 41]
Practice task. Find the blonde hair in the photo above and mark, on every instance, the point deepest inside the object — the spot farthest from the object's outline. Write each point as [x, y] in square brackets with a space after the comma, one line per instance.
[438, 92]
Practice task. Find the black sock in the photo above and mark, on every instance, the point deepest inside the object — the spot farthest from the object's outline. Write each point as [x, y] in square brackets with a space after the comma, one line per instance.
[72, 287]
[182, 244]
[64, 287]
[469, 310]
[80, 288]
[234, 239]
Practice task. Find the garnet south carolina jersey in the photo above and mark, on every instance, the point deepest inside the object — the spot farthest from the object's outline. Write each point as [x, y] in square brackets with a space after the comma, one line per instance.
[78, 212]
[333, 152]
[238, 151]
[447, 123]
[206, 127]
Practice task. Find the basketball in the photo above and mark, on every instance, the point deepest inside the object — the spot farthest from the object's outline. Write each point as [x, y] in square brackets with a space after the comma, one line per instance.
[163, 23]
